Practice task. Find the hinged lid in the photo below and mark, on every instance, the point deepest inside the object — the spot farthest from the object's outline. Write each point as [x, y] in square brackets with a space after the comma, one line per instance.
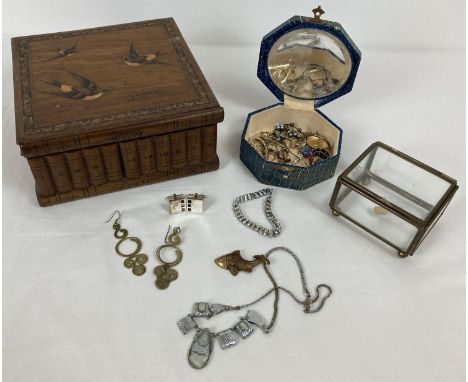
[102, 85]
[308, 58]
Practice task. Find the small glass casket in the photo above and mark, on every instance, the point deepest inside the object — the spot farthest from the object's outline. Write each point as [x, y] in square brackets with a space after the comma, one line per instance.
[306, 62]
[392, 196]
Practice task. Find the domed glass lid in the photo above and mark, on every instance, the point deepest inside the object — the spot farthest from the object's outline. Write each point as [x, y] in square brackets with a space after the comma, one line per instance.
[309, 63]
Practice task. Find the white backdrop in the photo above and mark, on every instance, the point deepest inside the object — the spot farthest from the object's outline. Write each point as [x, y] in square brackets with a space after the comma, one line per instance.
[379, 25]
[71, 312]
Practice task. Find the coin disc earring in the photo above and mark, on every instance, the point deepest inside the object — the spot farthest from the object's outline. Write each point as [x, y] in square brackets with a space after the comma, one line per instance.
[164, 273]
[134, 260]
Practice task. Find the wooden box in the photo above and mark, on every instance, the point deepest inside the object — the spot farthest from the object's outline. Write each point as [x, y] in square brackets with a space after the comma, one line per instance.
[105, 109]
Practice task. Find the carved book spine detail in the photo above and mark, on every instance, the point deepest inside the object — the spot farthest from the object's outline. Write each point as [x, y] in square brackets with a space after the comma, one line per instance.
[59, 171]
[162, 145]
[146, 156]
[82, 173]
[95, 166]
[40, 170]
[112, 162]
[209, 143]
[194, 146]
[178, 149]
[77, 168]
[47, 200]
[130, 159]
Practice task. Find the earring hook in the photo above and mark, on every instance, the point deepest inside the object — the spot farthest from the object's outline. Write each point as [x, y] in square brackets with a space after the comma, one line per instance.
[115, 212]
[167, 234]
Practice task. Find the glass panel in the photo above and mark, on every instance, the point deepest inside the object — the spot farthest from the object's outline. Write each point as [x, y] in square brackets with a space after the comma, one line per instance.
[399, 181]
[309, 63]
[375, 218]
[436, 219]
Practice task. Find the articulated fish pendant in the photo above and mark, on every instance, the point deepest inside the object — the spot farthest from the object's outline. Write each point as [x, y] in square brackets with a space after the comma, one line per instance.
[235, 263]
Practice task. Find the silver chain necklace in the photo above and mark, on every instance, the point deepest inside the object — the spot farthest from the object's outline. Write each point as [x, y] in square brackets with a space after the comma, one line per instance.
[276, 226]
[202, 343]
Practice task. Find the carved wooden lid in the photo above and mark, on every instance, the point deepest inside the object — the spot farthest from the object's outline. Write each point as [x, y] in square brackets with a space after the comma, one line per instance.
[102, 85]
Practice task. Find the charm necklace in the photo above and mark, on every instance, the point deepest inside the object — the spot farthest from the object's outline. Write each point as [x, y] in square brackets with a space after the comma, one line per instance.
[202, 343]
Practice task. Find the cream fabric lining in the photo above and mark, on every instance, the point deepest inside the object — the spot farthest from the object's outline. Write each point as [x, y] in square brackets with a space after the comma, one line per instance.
[305, 118]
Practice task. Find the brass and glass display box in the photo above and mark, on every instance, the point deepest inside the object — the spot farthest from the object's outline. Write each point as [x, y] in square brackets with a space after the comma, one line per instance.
[392, 196]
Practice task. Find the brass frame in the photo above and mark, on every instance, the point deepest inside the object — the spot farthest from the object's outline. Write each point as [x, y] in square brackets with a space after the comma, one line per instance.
[424, 226]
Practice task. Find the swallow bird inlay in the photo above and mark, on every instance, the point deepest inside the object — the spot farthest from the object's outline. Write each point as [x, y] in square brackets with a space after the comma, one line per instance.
[85, 90]
[135, 59]
[65, 52]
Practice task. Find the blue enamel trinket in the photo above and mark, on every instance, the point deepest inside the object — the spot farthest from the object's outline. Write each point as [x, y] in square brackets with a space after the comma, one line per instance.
[306, 62]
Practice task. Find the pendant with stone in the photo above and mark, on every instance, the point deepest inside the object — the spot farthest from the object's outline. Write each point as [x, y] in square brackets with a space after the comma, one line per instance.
[202, 309]
[244, 329]
[201, 348]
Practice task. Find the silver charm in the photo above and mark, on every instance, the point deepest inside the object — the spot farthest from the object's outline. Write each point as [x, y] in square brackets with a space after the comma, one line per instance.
[202, 344]
[218, 308]
[227, 339]
[202, 309]
[255, 318]
[244, 328]
[192, 203]
[186, 324]
[201, 348]
[276, 226]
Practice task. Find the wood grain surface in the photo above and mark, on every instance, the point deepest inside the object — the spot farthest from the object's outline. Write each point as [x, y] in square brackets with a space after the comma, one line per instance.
[99, 110]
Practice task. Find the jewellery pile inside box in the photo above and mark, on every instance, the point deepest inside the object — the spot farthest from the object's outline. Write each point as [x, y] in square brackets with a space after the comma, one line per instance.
[305, 62]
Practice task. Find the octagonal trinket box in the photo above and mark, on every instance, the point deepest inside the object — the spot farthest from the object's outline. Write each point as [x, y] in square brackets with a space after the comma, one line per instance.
[306, 62]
